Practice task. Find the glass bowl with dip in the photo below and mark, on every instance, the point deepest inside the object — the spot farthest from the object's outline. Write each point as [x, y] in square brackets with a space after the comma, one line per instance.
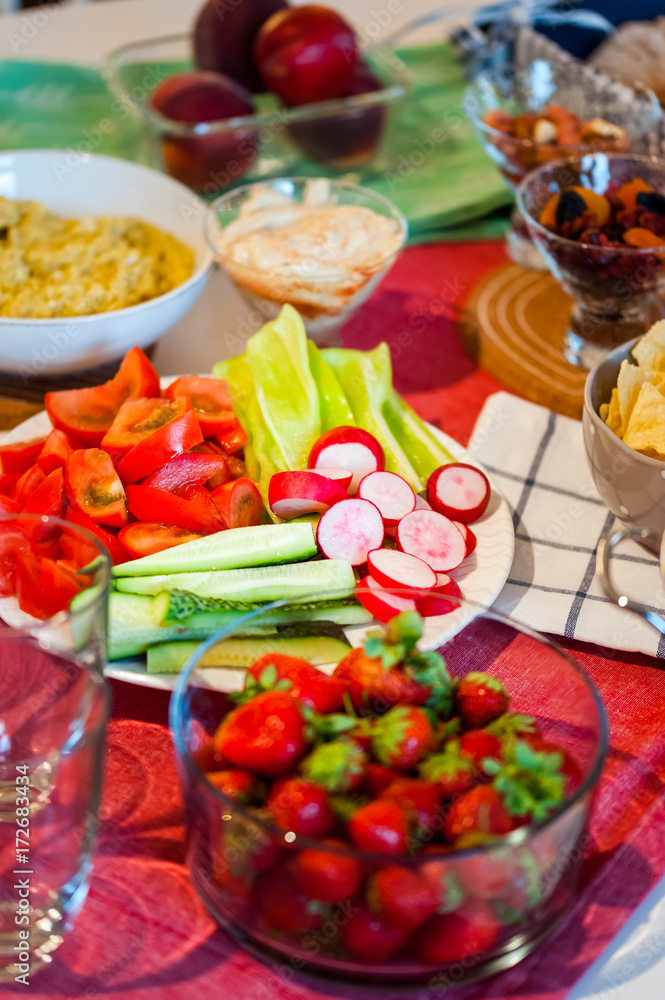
[322, 246]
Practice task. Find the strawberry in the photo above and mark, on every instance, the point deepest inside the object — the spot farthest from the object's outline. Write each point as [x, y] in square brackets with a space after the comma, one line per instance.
[370, 939]
[480, 810]
[420, 800]
[235, 784]
[284, 907]
[326, 875]
[318, 690]
[374, 688]
[569, 768]
[401, 897]
[265, 736]
[379, 826]
[511, 725]
[531, 782]
[300, 807]
[488, 873]
[402, 737]
[480, 699]
[477, 744]
[442, 880]
[208, 759]
[338, 766]
[377, 778]
[451, 937]
[453, 773]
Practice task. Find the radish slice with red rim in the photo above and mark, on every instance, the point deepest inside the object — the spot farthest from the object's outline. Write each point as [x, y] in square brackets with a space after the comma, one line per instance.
[442, 600]
[459, 491]
[432, 538]
[350, 530]
[468, 535]
[392, 568]
[390, 493]
[342, 477]
[349, 448]
[381, 603]
[291, 494]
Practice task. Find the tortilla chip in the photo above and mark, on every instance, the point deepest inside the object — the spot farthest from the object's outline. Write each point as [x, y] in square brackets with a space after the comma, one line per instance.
[612, 415]
[649, 352]
[646, 427]
[629, 382]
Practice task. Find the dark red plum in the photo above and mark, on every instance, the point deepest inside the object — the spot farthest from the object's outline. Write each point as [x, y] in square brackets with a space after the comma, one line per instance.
[224, 35]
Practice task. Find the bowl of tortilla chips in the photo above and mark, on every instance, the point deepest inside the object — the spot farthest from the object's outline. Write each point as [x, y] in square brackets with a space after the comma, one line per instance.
[624, 429]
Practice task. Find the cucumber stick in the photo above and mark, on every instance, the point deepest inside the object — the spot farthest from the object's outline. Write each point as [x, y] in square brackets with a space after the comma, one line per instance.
[238, 587]
[263, 545]
[236, 652]
[337, 612]
[134, 624]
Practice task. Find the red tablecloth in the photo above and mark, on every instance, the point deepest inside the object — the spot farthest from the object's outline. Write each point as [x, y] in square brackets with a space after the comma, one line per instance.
[143, 932]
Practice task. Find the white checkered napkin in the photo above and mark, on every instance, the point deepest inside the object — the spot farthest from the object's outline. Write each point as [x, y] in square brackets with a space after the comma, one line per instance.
[538, 461]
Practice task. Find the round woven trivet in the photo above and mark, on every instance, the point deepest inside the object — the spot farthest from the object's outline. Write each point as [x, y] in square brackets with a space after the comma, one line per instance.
[514, 325]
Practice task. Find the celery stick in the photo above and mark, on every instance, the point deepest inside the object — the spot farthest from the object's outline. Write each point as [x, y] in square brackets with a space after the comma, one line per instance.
[366, 378]
[333, 404]
[284, 386]
[423, 448]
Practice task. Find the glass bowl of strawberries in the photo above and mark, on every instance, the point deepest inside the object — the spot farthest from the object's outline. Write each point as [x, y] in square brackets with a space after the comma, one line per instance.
[359, 807]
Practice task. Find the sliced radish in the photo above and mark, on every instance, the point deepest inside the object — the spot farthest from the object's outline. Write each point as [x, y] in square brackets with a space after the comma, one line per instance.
[382, 603]
[433, 538]
[391, 568]
[442, 599]
[390, 493]
[469, 537]
[459, 491]
[342, 477]
[348, 448]
[291, 494]
[350, 530]
[421, 503]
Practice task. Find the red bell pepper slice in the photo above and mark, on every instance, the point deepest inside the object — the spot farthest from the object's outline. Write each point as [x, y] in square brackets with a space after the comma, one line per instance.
[180, 434]
[190, 467]
[13, 540]
[94, 488]
[87, 414]
[146, 502]
[210, 398]
[19, 457]
[28, 483]
[232, 438]
[49, 497]
[116, 550]
[55, 452]
[145, 538]
[239, 502]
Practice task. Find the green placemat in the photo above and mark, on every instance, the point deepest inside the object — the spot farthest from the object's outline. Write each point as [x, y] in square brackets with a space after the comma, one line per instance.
[431, 165]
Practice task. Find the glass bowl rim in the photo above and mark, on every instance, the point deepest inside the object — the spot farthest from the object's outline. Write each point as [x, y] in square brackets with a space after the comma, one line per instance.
[63, 616]
[211, 219]
[516, 838]
[502, 72]
[389, 94]
[535, 175]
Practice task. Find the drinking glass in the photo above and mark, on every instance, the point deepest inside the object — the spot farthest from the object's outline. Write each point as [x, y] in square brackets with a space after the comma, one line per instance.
[53, 709]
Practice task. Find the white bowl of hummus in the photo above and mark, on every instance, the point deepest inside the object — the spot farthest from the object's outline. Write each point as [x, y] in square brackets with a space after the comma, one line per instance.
[97, 255]
[322, 246]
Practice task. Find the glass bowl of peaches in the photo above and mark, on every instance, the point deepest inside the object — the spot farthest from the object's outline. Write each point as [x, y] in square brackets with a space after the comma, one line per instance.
[359, 806]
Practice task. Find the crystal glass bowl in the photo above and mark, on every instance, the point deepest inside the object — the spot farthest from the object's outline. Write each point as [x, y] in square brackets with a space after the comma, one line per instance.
[616, 291]
[327, 280]
[522, 883]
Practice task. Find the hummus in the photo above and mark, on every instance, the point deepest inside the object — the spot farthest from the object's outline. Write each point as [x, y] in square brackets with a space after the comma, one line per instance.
[315, 254]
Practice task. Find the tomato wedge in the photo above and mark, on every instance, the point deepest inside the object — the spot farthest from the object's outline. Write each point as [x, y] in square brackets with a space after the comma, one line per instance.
[116, 550]
[146, 502]
[211, 401]
[78, 551]
[8, 481]
[191, 467]
[12, 541]
[180, 434]
[239, 502]
[145, 538]
[43, 586]
[94, 488]
[57, 449]
[136, 420]
[19, 457]
[87, 414]
[232, 438]
[28, 483]
[49, 497]
[10, 506]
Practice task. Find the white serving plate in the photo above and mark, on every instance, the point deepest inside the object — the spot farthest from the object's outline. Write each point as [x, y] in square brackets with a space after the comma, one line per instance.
[480, 577]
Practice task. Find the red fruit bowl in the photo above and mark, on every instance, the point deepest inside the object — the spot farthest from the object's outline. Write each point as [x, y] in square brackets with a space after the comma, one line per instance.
[404, 879]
